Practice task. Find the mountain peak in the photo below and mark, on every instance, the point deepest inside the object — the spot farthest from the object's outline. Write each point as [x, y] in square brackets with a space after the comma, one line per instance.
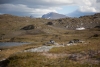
[53, 15]
[51, 12]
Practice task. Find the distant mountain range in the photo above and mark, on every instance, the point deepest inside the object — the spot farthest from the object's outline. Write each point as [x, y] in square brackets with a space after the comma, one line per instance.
[79, 13]
[53, 15]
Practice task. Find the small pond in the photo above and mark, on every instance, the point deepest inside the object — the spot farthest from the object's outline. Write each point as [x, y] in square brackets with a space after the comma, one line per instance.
[11, 44]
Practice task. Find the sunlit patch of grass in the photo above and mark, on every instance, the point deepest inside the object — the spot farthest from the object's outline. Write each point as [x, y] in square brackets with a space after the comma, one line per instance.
[27, 60]
[76, 48]
[6, 52]
[37, 60]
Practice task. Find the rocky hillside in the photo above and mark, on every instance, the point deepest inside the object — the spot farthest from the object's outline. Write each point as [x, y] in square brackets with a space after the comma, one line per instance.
[12, 26]
[84, 21]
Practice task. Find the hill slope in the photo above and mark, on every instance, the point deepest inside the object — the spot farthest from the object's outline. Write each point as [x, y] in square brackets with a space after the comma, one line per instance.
[12, 26]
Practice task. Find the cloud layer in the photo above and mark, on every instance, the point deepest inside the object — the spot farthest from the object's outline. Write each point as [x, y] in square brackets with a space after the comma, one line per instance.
[40, 7]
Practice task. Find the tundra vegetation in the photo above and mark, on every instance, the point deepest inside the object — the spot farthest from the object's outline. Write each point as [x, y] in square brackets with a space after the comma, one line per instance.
[40, 31]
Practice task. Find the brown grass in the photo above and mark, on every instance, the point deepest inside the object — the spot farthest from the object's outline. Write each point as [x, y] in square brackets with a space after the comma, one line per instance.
[37, 60]
[6, 52]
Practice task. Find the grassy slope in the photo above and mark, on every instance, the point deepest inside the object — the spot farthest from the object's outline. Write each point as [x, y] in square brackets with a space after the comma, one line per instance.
[11, 25]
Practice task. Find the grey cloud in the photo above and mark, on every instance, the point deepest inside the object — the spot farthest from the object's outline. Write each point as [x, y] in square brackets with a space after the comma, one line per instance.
[5, 1]
[15, 13]
[21, 10]
[39, 7]
[34, 7]
[98, 1]
[35, 3]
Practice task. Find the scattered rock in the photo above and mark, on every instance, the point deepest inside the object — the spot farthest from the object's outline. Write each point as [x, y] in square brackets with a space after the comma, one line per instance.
[95, 35]
[4, 62]
[74, 41]
[29, 27]
[50, 23]
[97, 27]
[77, 57]
[86, 57]
[52, 42]
[69, 44]
[41, 49]
[2, 59]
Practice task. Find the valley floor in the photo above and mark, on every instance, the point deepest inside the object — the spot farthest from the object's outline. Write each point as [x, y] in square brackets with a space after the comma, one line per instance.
[86, 54]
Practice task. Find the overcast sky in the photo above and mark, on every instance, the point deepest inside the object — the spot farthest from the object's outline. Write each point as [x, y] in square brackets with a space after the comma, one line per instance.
[39, 7]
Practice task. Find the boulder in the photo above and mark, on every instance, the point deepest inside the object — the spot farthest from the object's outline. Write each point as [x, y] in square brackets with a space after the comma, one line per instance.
[51, 42]
[74, 41]
[29, 27]
[95, 35]
[49, 23]
[97, 27]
